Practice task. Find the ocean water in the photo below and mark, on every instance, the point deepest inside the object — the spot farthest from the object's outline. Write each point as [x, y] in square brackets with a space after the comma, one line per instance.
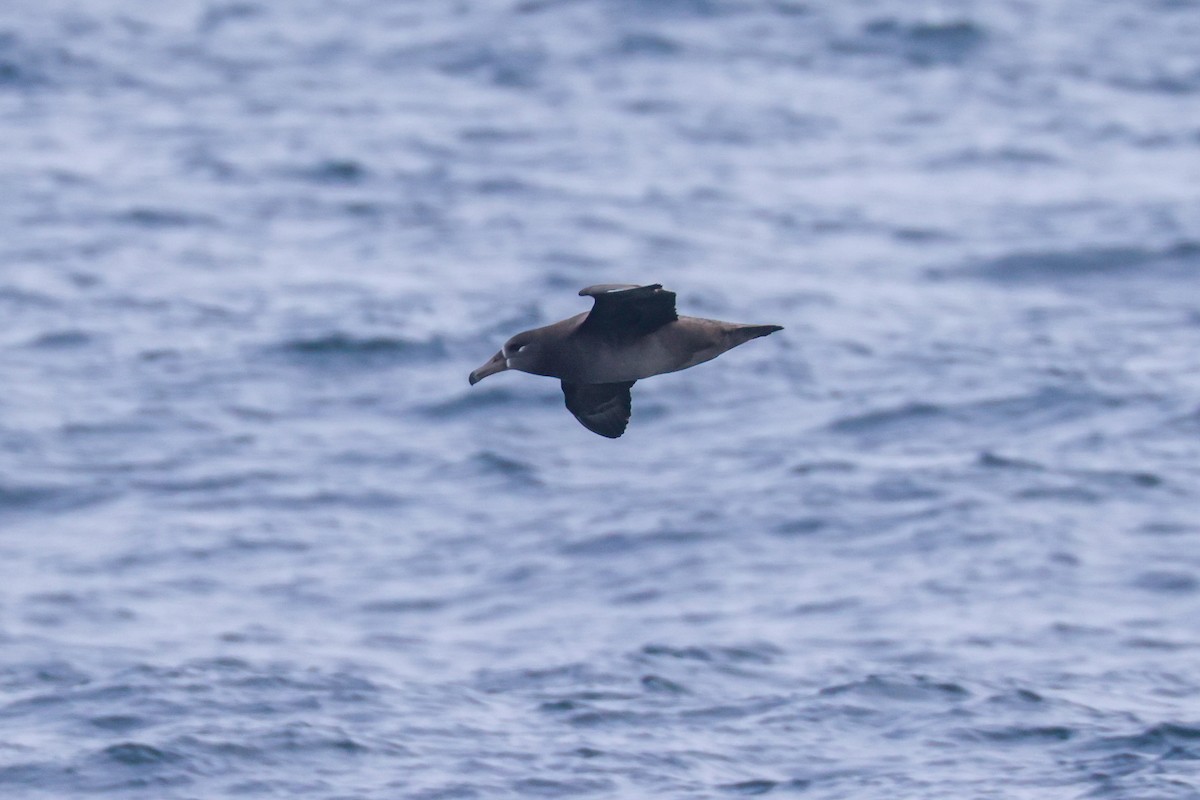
[939, 538]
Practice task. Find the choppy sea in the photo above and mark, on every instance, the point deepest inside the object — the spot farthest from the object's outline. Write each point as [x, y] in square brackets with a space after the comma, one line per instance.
[940, 538]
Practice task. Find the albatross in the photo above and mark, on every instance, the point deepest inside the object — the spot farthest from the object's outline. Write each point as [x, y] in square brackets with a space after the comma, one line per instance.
[631, 333]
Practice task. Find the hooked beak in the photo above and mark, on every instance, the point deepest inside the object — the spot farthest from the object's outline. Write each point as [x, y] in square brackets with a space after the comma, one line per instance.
[496, 363]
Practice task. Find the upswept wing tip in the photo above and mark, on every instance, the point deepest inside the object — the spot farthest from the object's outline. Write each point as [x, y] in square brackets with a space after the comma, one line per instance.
[614, 288]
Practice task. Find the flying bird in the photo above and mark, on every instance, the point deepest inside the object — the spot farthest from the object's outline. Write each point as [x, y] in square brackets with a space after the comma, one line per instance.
[632, 332]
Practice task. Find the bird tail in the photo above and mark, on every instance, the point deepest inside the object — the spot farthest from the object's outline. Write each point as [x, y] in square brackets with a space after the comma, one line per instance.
[744, 333]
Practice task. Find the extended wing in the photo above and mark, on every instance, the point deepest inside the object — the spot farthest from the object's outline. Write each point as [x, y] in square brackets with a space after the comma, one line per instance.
[602, 408]
[623, 309]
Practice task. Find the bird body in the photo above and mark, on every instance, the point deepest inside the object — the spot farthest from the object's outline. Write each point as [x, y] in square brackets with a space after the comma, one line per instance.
[631, 333]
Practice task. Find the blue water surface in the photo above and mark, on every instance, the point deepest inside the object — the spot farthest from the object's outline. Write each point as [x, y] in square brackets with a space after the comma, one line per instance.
[937, 539]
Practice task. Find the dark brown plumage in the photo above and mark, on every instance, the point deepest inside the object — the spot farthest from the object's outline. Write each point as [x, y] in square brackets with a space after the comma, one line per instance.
[632, 332]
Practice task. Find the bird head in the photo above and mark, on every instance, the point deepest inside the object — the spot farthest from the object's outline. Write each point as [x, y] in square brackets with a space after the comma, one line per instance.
[520, 353]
